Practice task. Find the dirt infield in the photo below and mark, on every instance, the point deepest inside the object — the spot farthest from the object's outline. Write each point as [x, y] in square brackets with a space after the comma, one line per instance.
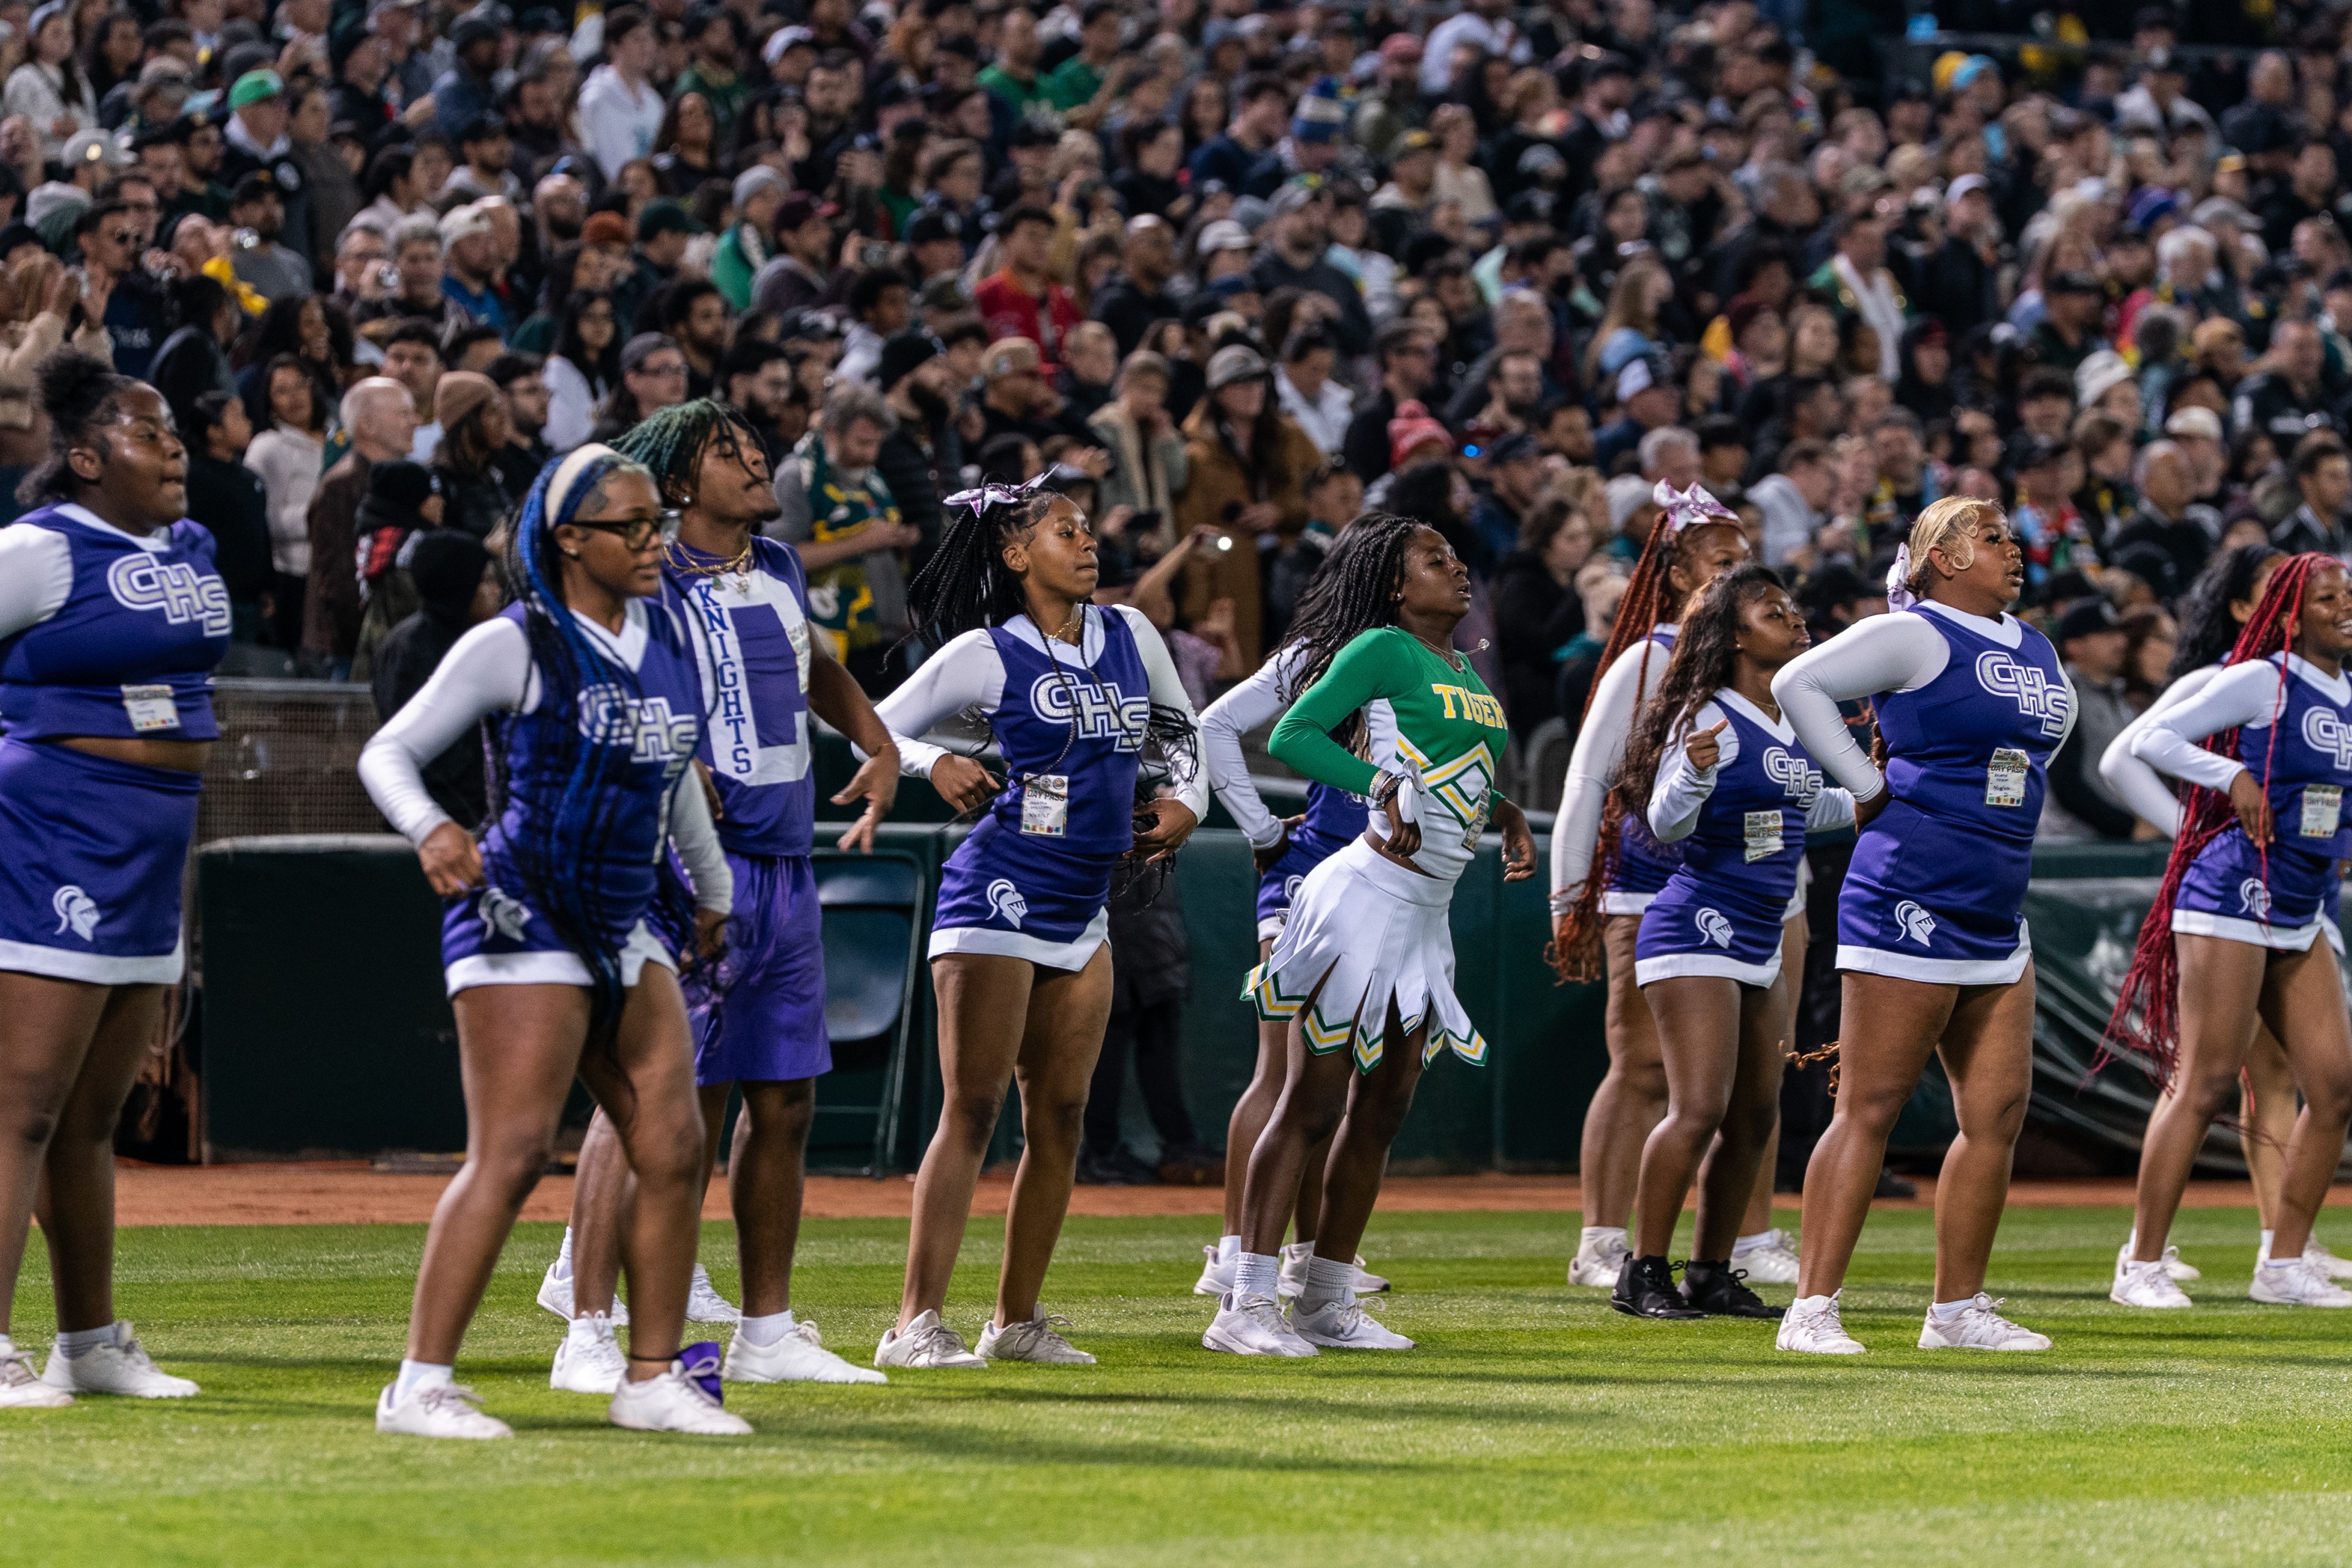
[352, 1193]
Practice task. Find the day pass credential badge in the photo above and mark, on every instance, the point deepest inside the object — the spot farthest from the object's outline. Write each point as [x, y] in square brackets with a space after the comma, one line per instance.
[2323, 809]
[151, 709]
[1763, 835]
[1046, 804]
[2005, 777]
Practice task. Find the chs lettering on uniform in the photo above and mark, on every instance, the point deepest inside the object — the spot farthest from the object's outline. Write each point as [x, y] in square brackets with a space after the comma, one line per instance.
[1099, 712]
[2035, 694]
[177, 587]
[1800, 783]
[2325, 731]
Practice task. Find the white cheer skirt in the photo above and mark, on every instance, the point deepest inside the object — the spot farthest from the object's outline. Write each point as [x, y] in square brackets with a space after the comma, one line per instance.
[1365, 936]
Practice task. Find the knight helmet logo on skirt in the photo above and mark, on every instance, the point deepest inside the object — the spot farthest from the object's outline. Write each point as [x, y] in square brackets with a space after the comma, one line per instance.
[2255, 898]
[502, 914]
[1713, 926]
[1917, 924]
[76, 909]
[1005, 901]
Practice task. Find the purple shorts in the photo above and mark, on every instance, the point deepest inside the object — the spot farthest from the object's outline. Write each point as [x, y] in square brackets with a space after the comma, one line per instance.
[768, 1024]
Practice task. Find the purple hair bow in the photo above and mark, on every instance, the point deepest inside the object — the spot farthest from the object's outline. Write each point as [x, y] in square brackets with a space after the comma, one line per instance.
[1686, 507]
[987, 495]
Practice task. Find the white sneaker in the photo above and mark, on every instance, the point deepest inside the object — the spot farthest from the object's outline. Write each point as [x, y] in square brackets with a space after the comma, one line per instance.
[2315, 1253]
[443, 1410]
[1037, 1340]
[2173, 1267]
[589, 1361]
[1345, 1325]
[1367, 1284]
[1253, 1325]
[675, 1401]
[1978, 1327]
[556, 1295]
[1295, 1258]
[1773, 1260]
[704, 1304]
[1816, 1331]
[2297, 1283]
[927, 1341]
[21, 1388]
[1596, 1263]
[799, 1357]
[1216, 1274]
[2148, 1284]
[123, 1367]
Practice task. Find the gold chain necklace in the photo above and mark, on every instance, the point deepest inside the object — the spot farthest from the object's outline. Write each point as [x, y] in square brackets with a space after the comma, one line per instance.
[739, 564]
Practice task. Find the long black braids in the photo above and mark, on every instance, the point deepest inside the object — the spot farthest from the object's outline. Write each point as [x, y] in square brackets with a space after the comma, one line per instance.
[671, 443]
[1705, 660]
[1353, 592]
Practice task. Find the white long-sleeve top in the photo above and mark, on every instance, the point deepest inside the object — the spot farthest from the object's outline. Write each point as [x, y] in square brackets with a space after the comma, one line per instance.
[490, 670]
[1897, 653]
[1682, 792]
[36, 567]
[1599, 748]
[287, 461]
[968, 676]
[1260, 700]
[2135, 784]
[622, 121]
[2243, 696]
[571, 401]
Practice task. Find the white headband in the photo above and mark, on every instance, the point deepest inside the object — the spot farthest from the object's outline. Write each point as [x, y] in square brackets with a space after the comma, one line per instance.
[1898, 580]
[568, 472]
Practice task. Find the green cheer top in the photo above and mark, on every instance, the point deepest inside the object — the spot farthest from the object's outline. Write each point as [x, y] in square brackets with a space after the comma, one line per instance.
[1449, 729]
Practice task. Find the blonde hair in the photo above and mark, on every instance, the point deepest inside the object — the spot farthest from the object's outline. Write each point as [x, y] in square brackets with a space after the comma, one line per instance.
[1949, 525]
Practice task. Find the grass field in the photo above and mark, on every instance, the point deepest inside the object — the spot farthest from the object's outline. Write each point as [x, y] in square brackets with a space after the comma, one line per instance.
[1533, 1426]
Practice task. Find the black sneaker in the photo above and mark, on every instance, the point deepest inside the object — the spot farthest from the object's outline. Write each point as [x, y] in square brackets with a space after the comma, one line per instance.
[1645, 1289]
[1720, 1291]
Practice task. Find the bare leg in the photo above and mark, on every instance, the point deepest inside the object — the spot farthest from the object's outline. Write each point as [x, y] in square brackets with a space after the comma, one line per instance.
[1876, 1075]
[1257, 1104]
[601, 1190]
[1314, 1100]
[2266, 1115]
[2221, 991]
[1066, 1015]
[1794, 934]
[1377, 1103]
[764, 1182]
[1699, 1037]
[2303, 1002]
[1631, 1098]
[983, 1007]
[78, 1186]
[1988, 1051]
[46, 1029]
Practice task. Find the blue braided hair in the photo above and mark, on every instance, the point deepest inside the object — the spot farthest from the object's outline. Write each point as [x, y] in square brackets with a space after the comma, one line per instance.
[554, 847]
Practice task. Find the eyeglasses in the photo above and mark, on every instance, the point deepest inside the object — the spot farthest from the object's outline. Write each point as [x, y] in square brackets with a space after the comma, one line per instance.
[123, 238]
[663, 371]
[635, 533]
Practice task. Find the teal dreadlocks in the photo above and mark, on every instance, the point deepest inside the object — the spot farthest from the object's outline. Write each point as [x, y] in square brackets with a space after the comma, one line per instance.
[671, 443]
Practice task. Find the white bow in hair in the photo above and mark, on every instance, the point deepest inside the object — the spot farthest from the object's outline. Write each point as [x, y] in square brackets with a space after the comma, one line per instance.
[1898, 580]
[1684, 507]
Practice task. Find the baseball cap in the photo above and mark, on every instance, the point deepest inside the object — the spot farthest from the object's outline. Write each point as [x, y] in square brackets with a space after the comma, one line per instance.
[1639, 375]
[1234, 362]
[945, 293]
[2194, 424]
[1291, 198]
[2087, 618]
[254, 87]
[798, 210]
[1963, 186]
[757, 178]
[260, 183]
[2097, 372]
[1222, 234]
[932, 225]
[785, 39]
[91, 147]
[665, 217]
[644, 346]
[1511, 448]
[1009, 357]
[464, 223]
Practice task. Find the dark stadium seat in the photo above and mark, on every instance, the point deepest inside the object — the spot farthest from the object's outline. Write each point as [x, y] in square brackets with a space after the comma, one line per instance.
[873, 957]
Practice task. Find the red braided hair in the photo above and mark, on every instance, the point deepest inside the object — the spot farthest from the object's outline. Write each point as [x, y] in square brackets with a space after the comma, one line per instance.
[2146, 1022]
[1574, 951]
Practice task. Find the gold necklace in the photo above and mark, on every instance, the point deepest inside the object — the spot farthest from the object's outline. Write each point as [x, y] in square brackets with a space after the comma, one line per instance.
[739, 564]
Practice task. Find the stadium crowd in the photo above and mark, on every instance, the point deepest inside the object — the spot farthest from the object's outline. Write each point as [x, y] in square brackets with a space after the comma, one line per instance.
[1233, 272]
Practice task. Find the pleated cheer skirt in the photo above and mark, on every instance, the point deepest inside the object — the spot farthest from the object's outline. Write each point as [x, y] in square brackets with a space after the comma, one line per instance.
[1366, 937]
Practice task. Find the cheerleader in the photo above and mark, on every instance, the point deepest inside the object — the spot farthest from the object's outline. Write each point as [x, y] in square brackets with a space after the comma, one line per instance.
[1606, 867]
[111, 619]
[2212, 613]
[1073, 694]
[1934, 953]
[2235, 934]
[1284, 852]
[1365, 964]
[1725, 776]
[760, 1032]
[546, 936]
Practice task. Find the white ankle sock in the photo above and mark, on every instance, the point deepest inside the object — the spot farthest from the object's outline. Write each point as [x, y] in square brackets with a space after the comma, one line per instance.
[590, 1327]
[2265, 1251]
[1813, 1303]
[1256, 1274]
[765, 1330]
[78, 1343]
[1946, 1311]
[1228, 1248]
[416, 1374]
[1593, 1233]
[1328, 1280]
[1749, 1243]
[563, 1256]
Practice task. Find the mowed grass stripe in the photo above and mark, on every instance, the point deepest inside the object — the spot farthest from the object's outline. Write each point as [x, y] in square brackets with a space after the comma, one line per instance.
[1534, 1423]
